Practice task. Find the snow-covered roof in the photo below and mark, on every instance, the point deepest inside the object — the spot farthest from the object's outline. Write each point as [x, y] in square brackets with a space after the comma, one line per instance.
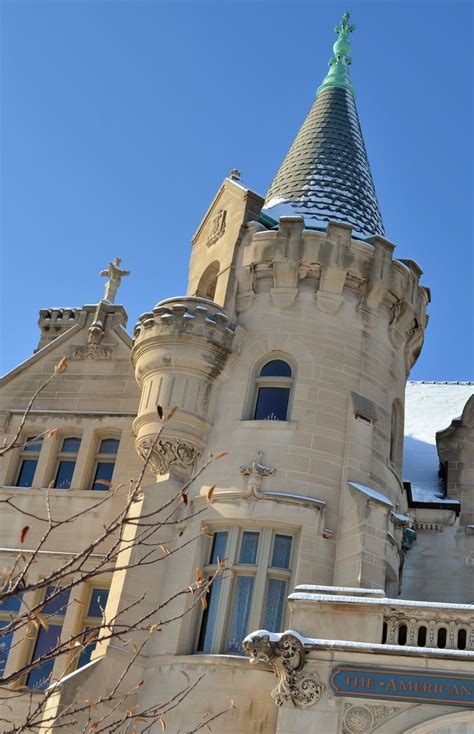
[429, 407]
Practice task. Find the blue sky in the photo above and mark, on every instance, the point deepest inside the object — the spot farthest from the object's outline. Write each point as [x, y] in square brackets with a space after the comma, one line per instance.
[120, 120]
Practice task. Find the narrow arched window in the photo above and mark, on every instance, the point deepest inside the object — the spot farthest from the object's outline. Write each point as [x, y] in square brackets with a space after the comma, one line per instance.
[208, 281]
[272, 391]
[396, 429]
[66, 462]
[105, 463]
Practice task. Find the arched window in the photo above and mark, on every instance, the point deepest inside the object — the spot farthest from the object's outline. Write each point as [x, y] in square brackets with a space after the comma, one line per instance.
[67, 458]
[105, 463]
[208, 281]
[28, 462]
[396, 429]
[272, 391]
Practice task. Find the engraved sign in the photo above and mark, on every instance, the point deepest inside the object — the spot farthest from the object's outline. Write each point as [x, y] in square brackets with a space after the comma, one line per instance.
[455, 689]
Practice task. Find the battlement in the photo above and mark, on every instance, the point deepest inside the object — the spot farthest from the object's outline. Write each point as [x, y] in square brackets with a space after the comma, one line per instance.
[55, 321]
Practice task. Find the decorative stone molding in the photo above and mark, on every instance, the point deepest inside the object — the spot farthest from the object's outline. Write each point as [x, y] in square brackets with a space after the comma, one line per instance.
[435, 527]
[255, 473]
[287, 659]
[362, 719]
[167, 453]
[96, 333]
[217, 228]
[92, 351]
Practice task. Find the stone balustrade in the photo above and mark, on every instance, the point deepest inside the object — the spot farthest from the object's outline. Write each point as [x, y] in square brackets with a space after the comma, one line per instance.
[434, 630]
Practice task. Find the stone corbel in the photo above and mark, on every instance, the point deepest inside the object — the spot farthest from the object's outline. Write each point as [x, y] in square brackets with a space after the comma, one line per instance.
[255, 473]
[286, 656]
[246, 287]
[329, 296]
[285, 280]
[401, 318]
[168, 453]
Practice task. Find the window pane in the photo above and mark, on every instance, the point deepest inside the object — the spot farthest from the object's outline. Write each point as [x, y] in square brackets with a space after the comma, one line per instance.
[85, 656]
[32, 446]
[5, 643]
[219, 543]
[103, 472]
[281, 551]
[272, 403]
[109, 446]
[71, 445]
[209, 617]
[27, 472]
[46, 641]
[59, 603]
[276, 368]
[64, 475]
[274, 605]
[240, 614]
[12, 604]
[249, 547]
[97, 602]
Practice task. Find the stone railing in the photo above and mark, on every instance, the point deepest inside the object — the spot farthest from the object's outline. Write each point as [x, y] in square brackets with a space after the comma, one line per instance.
[429, 630]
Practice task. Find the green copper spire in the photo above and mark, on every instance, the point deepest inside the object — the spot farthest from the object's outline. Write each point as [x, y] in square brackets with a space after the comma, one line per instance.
[338, 74]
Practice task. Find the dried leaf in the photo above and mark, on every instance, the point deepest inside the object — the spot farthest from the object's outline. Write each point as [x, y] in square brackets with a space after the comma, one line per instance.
[39, 616]
[232, 704]
[90, 638]
[103, 481]
[208, 727]
[184, 498]
[199, 577]
[159, 410]
[61, 366]
[171, 413]
[155, 628]
[204, 601]
[210, 494]
[135, 647]
[24, 533]
[165, 549]
[52, 433]
[220, 456]
[162, 724]
[79, 601]
[51, 484]
[141, 682]
[139, 718]
[94, 726]
[191, 589]
[90, 703]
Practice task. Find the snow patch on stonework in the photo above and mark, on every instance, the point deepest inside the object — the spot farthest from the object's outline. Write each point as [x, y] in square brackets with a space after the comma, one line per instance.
[429, 407]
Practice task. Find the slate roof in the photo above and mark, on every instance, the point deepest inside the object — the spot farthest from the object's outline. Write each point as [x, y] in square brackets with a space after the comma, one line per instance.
[325, 175]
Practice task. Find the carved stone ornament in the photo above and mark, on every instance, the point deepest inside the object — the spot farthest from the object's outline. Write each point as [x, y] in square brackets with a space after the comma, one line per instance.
[287, 659]
[96, 333]
[362, 719]
[217, 228]
[168, 453]
[255, 472]
[92, 351]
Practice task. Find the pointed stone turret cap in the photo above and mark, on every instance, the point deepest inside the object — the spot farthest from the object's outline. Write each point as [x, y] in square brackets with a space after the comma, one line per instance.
[325, 175]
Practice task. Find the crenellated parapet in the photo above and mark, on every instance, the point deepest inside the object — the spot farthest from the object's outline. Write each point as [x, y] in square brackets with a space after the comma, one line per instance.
[290, 260]
[180, 353]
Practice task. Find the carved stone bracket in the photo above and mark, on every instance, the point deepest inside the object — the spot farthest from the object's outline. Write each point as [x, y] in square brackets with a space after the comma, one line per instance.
[255, 472]
[362, 719]
[287, 659]
[168, 453]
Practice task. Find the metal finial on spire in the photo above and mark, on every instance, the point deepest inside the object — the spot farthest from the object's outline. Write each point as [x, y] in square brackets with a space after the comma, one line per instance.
[338, 74]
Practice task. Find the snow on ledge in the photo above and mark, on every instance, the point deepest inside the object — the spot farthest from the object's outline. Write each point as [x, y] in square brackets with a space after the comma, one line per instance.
[371, 493]
[383, 601]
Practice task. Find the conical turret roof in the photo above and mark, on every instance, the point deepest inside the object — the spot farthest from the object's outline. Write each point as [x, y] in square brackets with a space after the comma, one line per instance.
[325, 175]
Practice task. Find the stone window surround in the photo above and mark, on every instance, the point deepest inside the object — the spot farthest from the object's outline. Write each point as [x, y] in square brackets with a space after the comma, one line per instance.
[261, 573]
[72, 623]
[252, 392]
[48, 456]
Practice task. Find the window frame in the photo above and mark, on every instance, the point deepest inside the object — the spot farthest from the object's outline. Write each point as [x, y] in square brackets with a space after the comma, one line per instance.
[86, 621]
[25, 455]
[261, 571]
[65, 456]
[272, 381]
[55, 619]
[99, 458]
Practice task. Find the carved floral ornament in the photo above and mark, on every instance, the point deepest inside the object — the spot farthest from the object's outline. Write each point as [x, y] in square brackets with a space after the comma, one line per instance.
[362, 719]
[168, 453]
[286, 656]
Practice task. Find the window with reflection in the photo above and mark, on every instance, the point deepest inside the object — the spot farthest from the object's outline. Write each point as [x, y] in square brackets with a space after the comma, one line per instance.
[272, 391]
[95, 613]
[253, 596]
[396, 434]
[28, 462]
[9, 609]
[105, 463]
[67, 458]
[48, 637]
